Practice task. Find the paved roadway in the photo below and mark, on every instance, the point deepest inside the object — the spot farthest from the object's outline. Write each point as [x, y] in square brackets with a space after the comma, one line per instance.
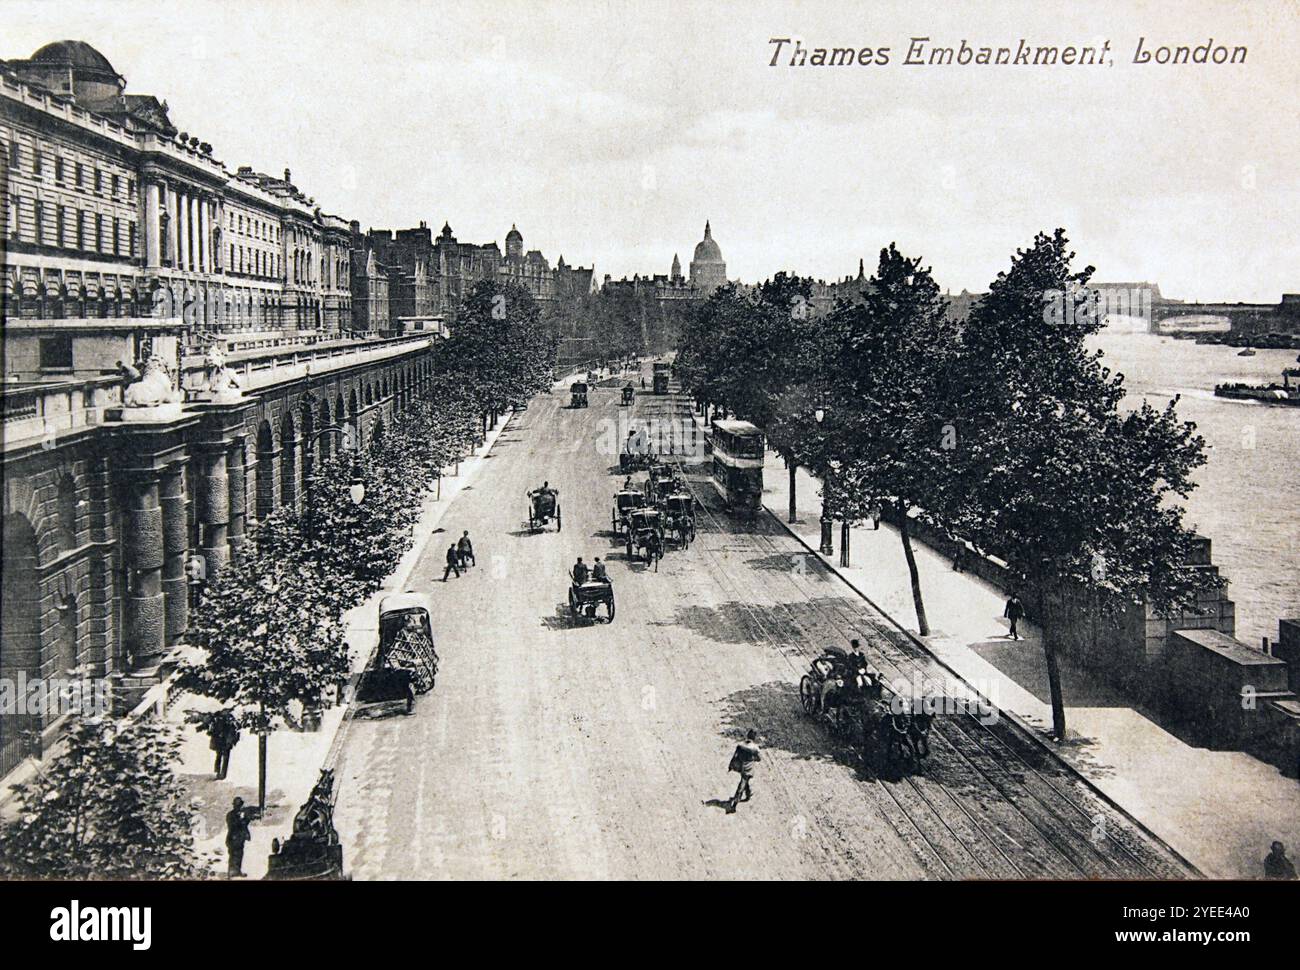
[549, 750]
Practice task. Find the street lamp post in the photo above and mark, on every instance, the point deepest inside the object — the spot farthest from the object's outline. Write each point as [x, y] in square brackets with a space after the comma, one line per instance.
[357, 490]
[827, 548]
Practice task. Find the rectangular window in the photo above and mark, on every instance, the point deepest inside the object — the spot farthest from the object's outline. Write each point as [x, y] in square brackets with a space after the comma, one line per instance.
[40, 222]
[116, 185]
[99, 233]
[56, 353]
[58, 226]
[99, 181]
[81, 175]
[15, 157]
[117, 233]
[130, 187]
[131, 232]
[58, 169]
[36, 161]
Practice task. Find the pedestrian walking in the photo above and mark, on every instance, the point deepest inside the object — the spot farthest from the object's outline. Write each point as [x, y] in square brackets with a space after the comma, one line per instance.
[466, 550]
[1277, 865]
[1014, 612]
[453, 566]
[237, 836]
[224, 734]
[743, 760]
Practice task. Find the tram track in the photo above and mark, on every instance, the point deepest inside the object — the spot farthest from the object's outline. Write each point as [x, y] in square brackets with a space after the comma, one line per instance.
[973, 747]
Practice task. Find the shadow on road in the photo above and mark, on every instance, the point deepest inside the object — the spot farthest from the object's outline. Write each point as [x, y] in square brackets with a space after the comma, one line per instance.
[736, 622]
[802, 564]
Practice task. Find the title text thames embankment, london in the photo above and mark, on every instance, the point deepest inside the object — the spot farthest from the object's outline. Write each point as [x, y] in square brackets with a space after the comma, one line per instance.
[922, 52]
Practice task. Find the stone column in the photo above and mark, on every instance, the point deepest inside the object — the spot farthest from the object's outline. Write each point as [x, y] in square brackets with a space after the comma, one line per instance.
[152, 251]
[204, 265]
[213, 507]
[176, 547]
[142, 557]
[196, 234]
[182, 231]
[176, 228]
[236, 465]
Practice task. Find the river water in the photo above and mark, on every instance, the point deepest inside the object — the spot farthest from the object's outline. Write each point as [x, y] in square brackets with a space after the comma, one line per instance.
[1248, 499]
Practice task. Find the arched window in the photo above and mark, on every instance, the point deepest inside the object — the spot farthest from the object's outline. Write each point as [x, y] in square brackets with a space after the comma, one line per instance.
[288, 462]
[265, 471]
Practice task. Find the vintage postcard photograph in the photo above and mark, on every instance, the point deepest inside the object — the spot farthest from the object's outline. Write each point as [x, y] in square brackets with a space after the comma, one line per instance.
[625, 441]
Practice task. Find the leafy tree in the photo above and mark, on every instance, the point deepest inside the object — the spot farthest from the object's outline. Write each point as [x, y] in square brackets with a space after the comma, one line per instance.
[498, 346]
[1050, 475]
[109, 807]
[271, 634]
[886, 372]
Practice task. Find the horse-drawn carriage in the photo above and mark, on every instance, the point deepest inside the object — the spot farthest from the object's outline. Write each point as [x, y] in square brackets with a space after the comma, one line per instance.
[645, 536]
[629, 393]
[843, 691]
[543, 505]
[663, 482]
[405, 663]
[586, 596]
[578, 394]
[679, 517]
[625, 503]
[637, 453]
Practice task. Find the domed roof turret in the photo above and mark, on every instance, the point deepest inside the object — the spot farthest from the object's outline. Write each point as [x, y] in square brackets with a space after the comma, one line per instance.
[514, 233]
[706, 250]
[74, 53]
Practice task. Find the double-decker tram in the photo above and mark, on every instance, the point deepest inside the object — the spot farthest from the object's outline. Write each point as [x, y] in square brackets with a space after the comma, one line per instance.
[738, 465]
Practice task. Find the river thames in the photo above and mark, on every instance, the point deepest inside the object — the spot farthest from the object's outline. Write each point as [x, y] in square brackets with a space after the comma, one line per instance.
[1248, 499]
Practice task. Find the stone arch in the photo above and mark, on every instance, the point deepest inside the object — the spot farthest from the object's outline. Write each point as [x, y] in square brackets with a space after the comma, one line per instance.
[288, 460]
[265, 470]
[326, 440]
[20, 629]
[307, 419]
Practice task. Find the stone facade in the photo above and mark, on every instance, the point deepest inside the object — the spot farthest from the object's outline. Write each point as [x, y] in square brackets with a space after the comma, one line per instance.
[429, 276]
[118, 227]
[110, 524]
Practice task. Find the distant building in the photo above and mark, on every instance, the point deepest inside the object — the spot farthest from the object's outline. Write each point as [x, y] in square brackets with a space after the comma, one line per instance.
[430, 276]
[708, 269]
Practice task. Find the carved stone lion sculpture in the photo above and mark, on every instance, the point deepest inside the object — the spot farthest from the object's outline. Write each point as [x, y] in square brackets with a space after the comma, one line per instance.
[221, 380]
[153, 388]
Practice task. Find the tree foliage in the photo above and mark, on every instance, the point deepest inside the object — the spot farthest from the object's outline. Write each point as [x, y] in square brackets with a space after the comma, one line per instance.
[109, 807]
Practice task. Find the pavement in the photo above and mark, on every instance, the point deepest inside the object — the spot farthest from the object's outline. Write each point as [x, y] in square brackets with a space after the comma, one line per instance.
[1220, 810]
[295, 757]
[553, 748]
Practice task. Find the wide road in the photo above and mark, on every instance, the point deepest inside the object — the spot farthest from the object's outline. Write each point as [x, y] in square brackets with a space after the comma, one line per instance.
[550, 750]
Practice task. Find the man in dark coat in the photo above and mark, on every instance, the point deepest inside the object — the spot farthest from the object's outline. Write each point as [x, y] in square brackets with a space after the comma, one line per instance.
[1014, 612]
[224, 733]
[1277, 865]
[743, 760]
[237, 836]
[453, 563]
[465, 549]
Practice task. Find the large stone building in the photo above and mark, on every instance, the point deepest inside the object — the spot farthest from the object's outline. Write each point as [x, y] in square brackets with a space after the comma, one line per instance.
[708, 272]
[428, 277]
[708, 269]
[119, 228]
[124, 239]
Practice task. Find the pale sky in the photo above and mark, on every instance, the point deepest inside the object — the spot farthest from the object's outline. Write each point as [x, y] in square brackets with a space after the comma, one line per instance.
[610, 131]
